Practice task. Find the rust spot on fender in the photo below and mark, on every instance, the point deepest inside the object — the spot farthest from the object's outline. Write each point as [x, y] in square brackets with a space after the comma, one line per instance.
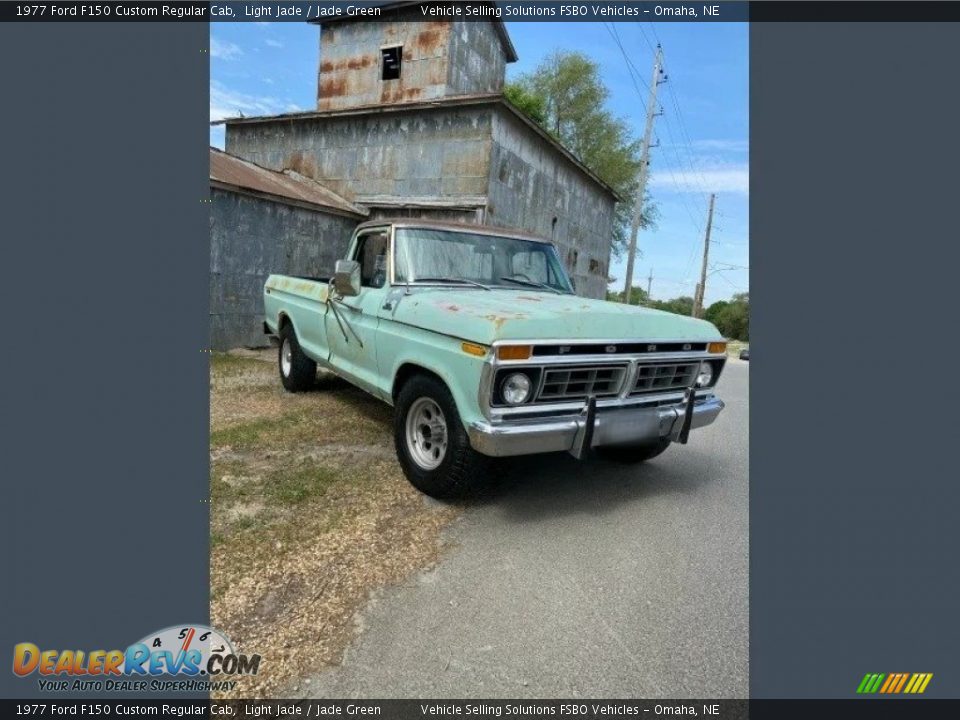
[497, 320]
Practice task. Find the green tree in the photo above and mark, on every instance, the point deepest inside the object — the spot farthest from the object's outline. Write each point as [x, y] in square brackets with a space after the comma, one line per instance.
[531, 104]
[566, 96]
[732, 317]
[682, 305]
[638, 296]
[713, 312]
[736, 317]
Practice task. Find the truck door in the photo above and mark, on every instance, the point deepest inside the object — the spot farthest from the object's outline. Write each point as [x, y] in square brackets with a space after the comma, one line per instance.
[352, 330]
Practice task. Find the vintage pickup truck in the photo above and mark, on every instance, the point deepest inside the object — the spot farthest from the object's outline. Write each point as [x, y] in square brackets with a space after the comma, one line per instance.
[476, 338]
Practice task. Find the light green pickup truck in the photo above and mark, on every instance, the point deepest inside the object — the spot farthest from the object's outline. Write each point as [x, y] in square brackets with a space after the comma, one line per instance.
[476, 338]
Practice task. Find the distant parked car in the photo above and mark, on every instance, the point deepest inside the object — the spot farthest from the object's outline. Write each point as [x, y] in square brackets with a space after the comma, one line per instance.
[745, 354]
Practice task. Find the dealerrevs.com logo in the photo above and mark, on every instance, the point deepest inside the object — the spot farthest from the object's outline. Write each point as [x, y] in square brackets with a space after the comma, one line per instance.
[191, 658]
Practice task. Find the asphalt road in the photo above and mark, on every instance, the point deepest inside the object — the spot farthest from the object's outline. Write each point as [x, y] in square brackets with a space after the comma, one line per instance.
[574, 579]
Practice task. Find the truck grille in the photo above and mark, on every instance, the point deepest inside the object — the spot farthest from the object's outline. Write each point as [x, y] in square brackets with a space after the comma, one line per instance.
[668, 376]
[577, 382]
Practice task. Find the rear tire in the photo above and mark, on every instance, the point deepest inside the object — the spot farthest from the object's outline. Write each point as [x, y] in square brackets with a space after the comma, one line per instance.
[298, 373]
[432, 444]
[632, 453]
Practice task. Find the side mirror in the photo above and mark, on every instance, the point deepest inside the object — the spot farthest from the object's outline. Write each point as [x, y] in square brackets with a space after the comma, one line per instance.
[346, 278]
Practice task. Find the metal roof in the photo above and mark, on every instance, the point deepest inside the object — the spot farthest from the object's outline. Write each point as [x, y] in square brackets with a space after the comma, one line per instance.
[450, 101]
[498, 25]
[232, 173]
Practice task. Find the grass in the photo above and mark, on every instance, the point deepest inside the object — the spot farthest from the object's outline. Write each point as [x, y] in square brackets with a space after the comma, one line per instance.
[309, 512]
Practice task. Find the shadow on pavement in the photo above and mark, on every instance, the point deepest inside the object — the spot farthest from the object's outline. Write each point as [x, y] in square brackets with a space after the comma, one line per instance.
[535, 487]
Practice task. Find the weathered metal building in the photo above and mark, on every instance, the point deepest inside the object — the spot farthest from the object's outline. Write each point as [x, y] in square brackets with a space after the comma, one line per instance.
[411, 121]
[262, 221]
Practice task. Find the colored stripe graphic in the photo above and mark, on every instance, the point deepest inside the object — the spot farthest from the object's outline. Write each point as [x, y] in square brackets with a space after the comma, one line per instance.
[894, 683]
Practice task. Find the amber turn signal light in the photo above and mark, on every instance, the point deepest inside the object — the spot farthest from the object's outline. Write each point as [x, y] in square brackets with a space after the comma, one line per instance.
[473, 349]
[514, 352]
[716, 347]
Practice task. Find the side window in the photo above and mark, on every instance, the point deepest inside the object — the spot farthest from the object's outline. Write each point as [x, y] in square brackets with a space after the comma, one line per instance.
[371, 253]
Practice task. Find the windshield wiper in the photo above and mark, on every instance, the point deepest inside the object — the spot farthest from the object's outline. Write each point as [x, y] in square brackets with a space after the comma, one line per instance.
[461, 281]
[531, 283]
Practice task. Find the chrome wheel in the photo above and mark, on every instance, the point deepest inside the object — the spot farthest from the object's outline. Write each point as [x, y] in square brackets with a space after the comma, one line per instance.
[286, 357]
[426, 433]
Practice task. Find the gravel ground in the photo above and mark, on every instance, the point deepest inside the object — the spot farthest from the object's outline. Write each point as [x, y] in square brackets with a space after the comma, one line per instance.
[310, 513]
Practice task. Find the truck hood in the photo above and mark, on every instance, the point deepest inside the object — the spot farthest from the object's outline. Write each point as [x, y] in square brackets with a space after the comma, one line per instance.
[483, 317]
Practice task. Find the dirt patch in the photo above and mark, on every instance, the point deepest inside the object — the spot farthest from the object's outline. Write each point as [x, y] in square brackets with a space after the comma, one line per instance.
[310, 512]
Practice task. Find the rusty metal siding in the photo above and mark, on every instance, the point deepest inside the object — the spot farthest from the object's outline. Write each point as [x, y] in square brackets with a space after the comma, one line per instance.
[434, 153]
[350, 70]
[530, 184]
[251, 238]
[477, 62]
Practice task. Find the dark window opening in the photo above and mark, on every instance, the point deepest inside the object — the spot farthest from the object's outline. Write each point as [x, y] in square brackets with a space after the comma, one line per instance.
[391, 58]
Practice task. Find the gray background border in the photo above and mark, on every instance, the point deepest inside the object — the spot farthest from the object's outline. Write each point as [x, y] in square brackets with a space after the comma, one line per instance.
[854, 526]
[105, 251]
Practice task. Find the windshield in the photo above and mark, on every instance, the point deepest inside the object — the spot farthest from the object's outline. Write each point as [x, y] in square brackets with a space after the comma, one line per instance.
[430, 255]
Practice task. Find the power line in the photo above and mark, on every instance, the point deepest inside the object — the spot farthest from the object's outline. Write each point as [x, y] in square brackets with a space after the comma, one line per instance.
[646, 39]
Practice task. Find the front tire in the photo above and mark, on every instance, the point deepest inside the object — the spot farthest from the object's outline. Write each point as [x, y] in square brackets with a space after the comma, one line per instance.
[432, 444]
[298, 373]
[633, 453]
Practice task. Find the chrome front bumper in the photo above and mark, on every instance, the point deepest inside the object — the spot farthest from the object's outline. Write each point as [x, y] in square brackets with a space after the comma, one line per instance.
[593, 428]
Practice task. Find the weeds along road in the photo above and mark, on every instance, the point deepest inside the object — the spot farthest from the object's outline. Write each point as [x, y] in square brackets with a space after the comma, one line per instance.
[576, 579]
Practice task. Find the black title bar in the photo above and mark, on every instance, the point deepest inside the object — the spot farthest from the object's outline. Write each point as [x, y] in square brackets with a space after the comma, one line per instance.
[519, 11]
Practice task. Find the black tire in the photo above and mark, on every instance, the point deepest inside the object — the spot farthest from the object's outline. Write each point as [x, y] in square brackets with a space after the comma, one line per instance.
[461, 469]
[300, 372]
[632, 453]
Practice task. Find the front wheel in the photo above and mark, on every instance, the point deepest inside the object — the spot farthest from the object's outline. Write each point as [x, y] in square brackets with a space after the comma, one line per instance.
[633, 453]
[432, 444]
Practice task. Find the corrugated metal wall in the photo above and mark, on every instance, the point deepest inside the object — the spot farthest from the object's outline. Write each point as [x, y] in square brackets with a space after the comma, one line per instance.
[430, 153]
[534, 187]
[251, 238]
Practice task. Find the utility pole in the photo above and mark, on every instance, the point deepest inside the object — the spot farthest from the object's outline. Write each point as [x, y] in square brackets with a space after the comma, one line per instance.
[701, 288]
[649, 285]
[644, 164]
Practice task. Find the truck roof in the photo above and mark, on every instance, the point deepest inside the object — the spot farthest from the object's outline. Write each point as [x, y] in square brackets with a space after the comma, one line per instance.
[455, 227]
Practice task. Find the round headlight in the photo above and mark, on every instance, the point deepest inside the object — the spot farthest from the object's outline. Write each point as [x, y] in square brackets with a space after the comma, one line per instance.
[515, 389]
[706, 375]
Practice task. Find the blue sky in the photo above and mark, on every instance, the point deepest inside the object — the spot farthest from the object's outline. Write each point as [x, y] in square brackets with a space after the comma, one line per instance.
[267, 68]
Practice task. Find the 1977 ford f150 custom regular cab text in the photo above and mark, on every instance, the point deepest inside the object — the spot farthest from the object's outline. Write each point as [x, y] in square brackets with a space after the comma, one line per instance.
[477, 339]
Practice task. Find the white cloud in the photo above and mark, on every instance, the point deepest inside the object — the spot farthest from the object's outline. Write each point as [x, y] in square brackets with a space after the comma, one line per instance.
[226, 103]
[737, 146]
[273, 43]
[729, 178]
[224, 50]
